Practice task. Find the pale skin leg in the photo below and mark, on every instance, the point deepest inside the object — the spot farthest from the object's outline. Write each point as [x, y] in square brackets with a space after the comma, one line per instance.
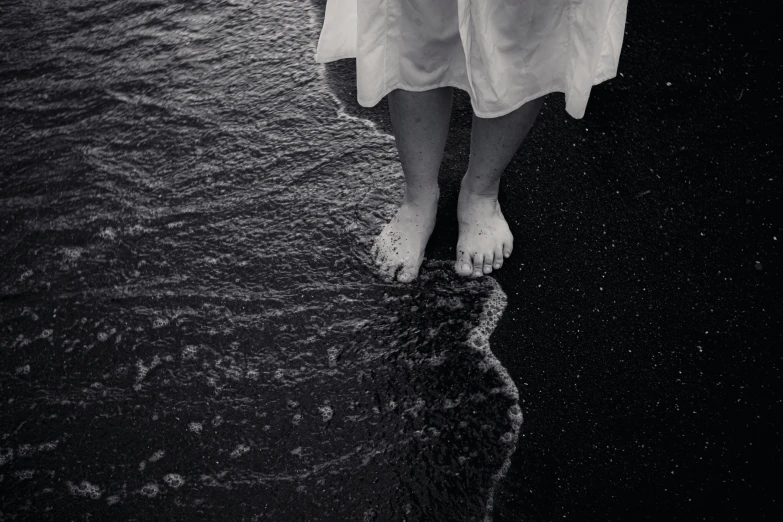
[420, 121]
[484, 237]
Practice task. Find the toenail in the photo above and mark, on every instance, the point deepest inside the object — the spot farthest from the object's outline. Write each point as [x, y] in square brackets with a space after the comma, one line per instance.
[465, 268]
[497, 265]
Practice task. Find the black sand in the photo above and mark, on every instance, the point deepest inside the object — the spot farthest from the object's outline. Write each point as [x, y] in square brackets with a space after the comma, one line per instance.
[644, 313]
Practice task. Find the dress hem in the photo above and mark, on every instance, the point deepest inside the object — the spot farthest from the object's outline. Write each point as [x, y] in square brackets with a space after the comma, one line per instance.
[481, 114]
[329, 59]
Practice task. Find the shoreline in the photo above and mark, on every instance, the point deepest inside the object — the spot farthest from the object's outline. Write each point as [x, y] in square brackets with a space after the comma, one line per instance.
[640, 293]
[492, 312]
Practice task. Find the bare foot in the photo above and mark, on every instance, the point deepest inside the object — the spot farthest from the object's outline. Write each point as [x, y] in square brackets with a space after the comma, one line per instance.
[484, 237]
[401, 243]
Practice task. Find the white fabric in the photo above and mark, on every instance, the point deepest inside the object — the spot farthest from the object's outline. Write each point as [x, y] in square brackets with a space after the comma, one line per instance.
[504, 53]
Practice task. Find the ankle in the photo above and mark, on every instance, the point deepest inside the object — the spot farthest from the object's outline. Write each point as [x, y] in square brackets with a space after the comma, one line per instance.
[474, 186]
[422, 195]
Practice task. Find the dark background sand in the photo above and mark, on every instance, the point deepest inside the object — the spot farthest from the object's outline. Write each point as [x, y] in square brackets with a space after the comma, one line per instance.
[643, 324]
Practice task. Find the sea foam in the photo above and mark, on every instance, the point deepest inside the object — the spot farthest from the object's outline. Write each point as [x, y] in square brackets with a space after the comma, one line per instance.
[492, 311]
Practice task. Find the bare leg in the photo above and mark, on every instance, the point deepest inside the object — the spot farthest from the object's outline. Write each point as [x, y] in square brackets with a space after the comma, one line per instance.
[420, 121]
[484, 236]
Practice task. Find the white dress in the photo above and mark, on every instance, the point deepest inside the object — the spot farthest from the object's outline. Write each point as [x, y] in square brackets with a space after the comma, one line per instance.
[504, 53]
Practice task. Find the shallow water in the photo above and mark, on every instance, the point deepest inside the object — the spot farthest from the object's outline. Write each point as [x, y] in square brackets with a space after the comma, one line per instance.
[190, 328]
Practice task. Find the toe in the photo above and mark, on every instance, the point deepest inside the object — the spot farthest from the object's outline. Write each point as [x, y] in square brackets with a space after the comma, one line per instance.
[498, 257]
[488, 263]
[478, 264]
[507, 248]
[387, 271]
[405, 277]
[377, 255]
[463, 265]
[408, 273]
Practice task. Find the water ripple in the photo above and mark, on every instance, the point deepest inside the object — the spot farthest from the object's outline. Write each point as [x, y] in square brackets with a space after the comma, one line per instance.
[190, 323]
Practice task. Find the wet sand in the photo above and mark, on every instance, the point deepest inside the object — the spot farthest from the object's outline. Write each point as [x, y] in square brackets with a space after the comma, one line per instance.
[641, 314]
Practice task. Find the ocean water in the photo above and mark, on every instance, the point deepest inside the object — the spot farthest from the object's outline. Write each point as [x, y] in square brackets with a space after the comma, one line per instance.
[190, 327]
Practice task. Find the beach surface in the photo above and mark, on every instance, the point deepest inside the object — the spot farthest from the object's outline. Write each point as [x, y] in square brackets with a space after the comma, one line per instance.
[191, 327]
[642, 314]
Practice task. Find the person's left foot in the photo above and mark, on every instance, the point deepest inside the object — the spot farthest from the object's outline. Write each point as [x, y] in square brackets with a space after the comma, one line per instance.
[484, 237]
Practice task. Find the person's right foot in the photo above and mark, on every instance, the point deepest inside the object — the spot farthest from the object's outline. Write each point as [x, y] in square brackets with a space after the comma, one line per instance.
[400, 245]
